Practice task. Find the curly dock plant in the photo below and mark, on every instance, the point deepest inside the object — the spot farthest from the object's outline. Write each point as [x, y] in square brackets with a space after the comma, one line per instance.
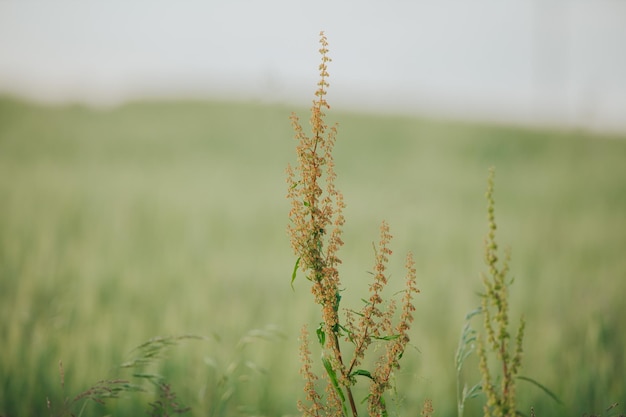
[315, 231]
[495, 310]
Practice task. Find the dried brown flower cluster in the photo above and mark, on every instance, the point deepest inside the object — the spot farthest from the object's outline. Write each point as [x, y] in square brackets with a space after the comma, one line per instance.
[315, 231]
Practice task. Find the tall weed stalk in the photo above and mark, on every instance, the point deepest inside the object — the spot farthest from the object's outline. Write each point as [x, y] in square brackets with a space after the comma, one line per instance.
[315, 230]
[500, 393]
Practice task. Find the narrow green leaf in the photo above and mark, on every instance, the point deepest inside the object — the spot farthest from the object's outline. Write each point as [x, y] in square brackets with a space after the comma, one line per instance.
[148, 376]
[321, 335]
[461, 360]
[295, 270]
[337, 301]
[382, 402]
[542, 387]
[472, 392]
[465, 347]
[390, 337]
[332, 375]
[357, 313]
[363, 372]
[473, 313]
[348, 332]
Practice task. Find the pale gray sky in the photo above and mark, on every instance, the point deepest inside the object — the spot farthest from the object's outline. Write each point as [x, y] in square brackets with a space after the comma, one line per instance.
[557, 61]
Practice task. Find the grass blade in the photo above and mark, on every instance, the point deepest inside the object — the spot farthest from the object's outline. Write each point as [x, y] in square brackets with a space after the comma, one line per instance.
[542, 387]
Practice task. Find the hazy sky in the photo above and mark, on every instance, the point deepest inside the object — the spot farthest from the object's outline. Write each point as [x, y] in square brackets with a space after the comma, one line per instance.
[522, 60]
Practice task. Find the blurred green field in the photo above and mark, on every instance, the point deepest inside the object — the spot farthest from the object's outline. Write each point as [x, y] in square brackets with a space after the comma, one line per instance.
[169, 218]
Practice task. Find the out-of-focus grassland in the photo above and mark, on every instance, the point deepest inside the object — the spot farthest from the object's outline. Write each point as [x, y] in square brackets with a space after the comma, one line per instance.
[169, 218]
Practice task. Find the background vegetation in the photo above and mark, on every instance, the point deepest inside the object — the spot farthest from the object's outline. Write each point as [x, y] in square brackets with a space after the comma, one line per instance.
[168, 218]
